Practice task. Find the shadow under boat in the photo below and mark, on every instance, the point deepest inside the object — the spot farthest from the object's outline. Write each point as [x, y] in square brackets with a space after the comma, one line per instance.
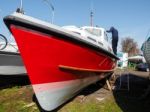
[130, 98]
[7, 81]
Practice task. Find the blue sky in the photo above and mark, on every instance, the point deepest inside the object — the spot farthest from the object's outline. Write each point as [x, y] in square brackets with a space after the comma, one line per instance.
[130, 17]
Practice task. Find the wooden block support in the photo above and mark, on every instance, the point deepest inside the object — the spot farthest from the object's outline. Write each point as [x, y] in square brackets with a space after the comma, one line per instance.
[108, 85]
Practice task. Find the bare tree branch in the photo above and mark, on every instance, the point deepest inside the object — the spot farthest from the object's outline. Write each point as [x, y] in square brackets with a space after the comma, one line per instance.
[130, 46]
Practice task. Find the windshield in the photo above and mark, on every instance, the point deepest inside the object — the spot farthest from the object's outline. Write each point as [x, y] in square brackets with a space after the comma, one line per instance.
[96, 32]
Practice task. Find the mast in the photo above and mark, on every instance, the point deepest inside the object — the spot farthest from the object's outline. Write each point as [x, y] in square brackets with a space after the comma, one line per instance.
[91, 18]
[91, 14]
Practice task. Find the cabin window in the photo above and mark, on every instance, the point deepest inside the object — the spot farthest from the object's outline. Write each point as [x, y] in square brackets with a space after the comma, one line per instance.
[100, 43]
[91, 39]
[96, 32]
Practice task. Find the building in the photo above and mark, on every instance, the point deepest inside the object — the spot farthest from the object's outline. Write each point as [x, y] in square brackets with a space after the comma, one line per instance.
[123, 62]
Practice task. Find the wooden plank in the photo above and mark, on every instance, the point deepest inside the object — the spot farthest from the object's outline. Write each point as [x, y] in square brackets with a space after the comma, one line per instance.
[84, 69]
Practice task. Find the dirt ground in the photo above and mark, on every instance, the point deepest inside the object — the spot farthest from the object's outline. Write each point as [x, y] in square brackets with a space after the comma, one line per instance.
[130, 92]
[124, 80]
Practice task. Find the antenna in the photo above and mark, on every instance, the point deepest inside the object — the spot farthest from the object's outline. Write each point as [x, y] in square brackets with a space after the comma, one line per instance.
[91, 14]
[52, 8]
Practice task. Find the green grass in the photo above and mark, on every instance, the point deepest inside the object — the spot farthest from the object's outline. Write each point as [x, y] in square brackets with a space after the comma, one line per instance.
[16, 99]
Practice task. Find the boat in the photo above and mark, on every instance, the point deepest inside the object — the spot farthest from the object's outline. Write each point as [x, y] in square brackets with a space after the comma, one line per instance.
[10, 60]
[146, 51]
[137, 59]
[11, 64]
[61, 61]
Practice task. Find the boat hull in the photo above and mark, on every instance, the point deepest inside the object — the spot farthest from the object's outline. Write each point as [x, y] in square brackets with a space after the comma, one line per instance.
[11, 64]
[58, 65]
[46, 54]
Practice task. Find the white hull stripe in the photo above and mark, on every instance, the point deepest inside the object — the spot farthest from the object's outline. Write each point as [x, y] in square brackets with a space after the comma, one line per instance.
[52, 95]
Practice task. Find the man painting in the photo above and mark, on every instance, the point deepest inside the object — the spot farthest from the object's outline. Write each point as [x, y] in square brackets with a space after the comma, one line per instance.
[114, 33]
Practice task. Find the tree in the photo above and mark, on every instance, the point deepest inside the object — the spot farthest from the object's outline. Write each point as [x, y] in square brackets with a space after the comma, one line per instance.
[130, 46]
